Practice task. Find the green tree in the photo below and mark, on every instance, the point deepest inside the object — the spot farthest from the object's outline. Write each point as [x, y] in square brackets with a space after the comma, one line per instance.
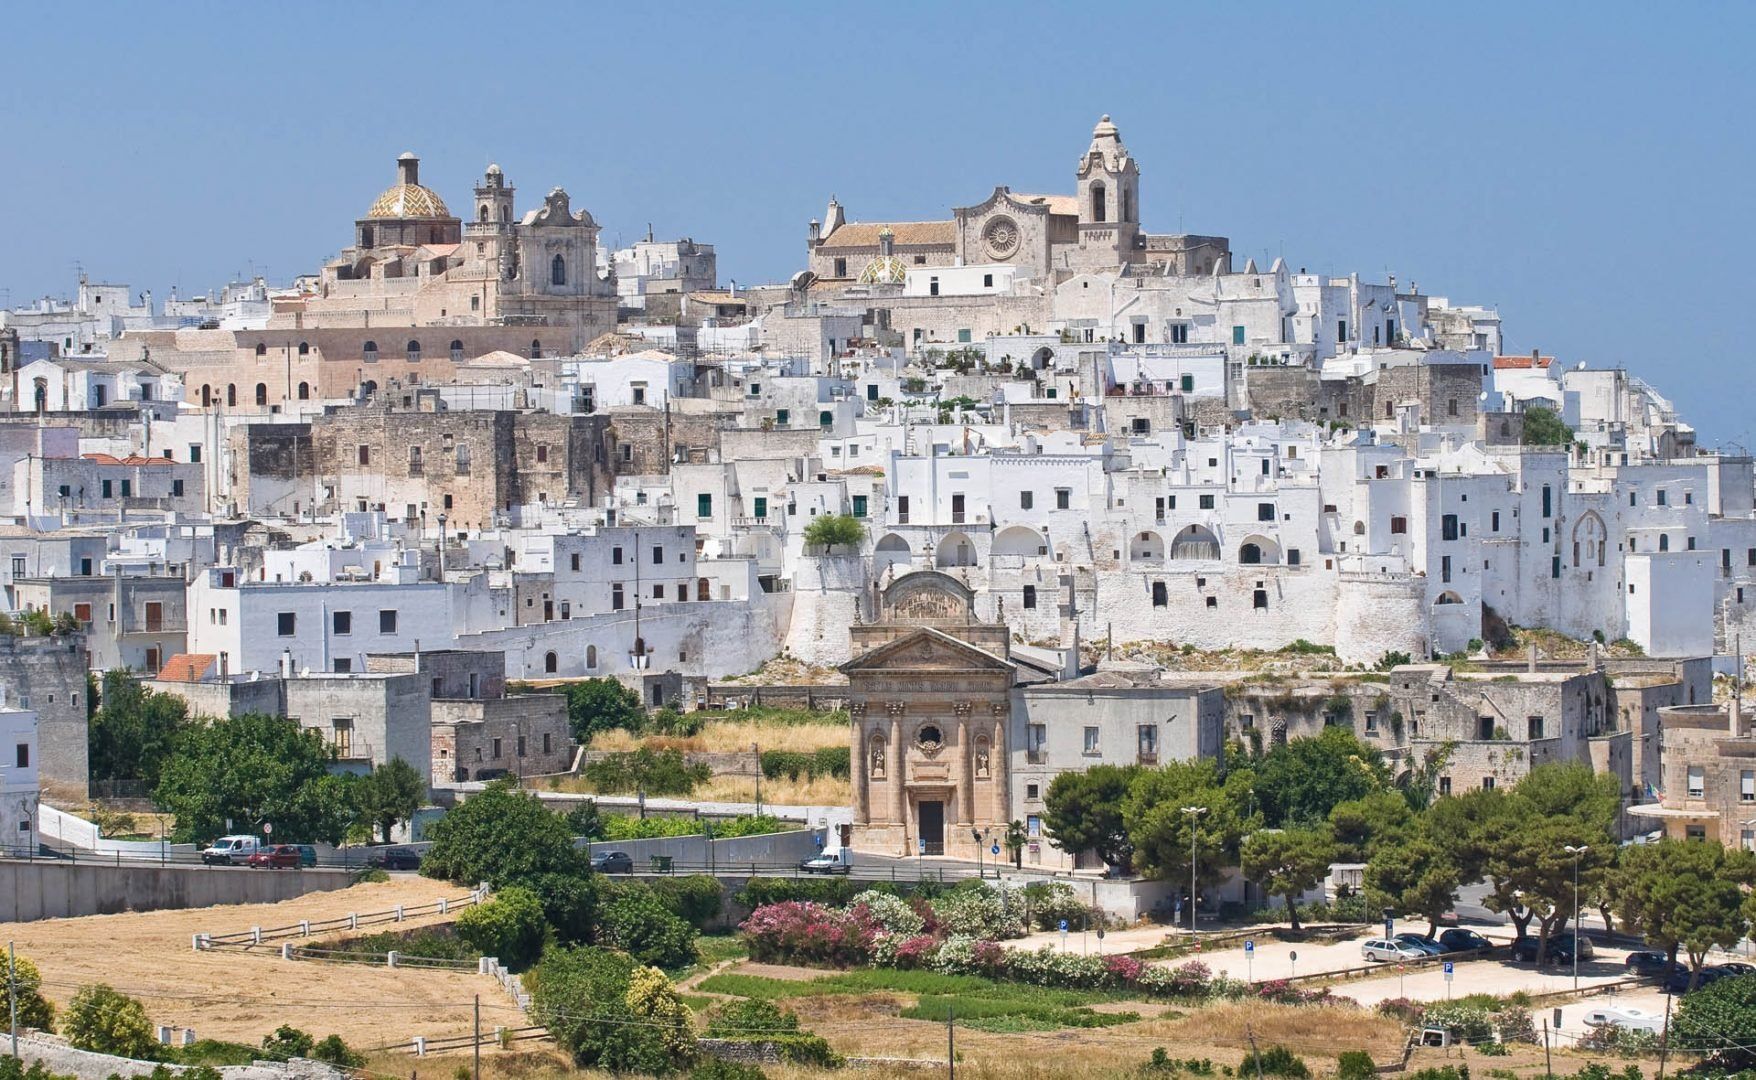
[1414, 876]
[511, 927]
[595, 705]
[330, 1048]
[37, 622]
[1015, 840]
[502, 836]
[134, 730]
[1083, 812]
[1301, 781]
[390, 793]
[1361, 825]
[34, 1010]
[101, 1019]
[1529, 869]
[1457, 823]
[581, 997]
[286, 1042]
[570, 903]
[1543, 426]
[253, 769]
[835, 530]
[1682, 895]
[1288, 862]
[637, 923]
[1717, 1020]
[1161, 831]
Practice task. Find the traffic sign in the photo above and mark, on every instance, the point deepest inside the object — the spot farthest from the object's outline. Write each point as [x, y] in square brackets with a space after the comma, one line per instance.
[923, 846]
[1063, 926]
[995, 850]
[1100, 930]
[1249, 947]
[1293, 956]
[267, 828]
[1449, 968]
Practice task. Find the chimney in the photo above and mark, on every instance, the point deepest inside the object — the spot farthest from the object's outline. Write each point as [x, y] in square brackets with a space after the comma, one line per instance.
[1593, 659]
[225, 667]
[286, 663]
[1536, 356]
[1736, 713]
[408, 169]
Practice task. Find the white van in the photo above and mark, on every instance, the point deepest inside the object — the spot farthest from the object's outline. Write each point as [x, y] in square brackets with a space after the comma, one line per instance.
[231, 850]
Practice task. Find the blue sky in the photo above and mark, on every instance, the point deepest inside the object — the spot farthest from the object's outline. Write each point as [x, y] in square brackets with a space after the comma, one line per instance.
[1584, 167]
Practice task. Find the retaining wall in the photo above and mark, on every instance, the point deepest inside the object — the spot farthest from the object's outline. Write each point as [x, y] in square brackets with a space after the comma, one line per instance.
[62, 1059]
[31, 890]
[690, 852]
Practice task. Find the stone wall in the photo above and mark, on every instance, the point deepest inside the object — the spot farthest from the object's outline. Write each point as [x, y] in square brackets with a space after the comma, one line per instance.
[47, 675]
[64, 1060]
[31, 890]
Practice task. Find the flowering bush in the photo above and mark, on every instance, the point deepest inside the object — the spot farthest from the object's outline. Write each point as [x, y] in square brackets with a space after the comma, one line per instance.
[916, 951]
[890, 914]
[981, 912]
[800, 931]
[956, 956]
[1407, 1010]
[1048, 902]
[1191, 979]
[1046, 967]
[1124, 969]
[1282, 992]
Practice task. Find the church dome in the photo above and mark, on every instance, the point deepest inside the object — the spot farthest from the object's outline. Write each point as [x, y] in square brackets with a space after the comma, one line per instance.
[884, 270]
[407, 198]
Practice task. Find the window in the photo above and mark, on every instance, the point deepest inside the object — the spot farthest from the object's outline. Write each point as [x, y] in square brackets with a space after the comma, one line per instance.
[987, 281]
[1205, 502]
[1487, 783]
[1187, 383]
[957, 508]
[859, 506]
[1398, 526]
[286, 624]
[1160, 595]
[1033, 792]
[933, 286]
[1494, 521]
[387, 621]
[1445, 569]
[1180, 335]
[1448, 527]
[781, 416]
[1237, 335]
[107, 488]
[1259, 600]
[616, 597]
[573, 562]
[1091, 740]
[841, 268]
[1747, 786]
[496, 749]
[1030, 597]
[1033, 825]
[616, 556]
[343, 622]
[1549, 501]
[21, 756]
[82, 612]
[558, 271]
[1026, 499]
[704, 505]
[542, 453]
[1063, 498]
[364, 455]
[1533, 727]
[902, 509]
[658, 555]
[548, 742]
[1697, 782]
[1146, 738]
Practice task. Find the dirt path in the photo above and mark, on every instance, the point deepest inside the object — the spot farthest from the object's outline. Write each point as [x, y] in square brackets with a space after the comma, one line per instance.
[244, 994]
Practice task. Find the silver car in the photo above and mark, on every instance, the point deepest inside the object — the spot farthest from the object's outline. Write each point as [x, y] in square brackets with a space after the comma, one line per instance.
[1383, 951]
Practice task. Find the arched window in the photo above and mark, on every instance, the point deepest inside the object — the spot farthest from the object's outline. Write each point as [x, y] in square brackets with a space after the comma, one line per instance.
[261, 349]
[304, 391]
[1127, 204]
[591, 657]
[1099, 205]
[1664, 542]
[206, 395]
[232, 395]
[457, 352]
[261, 393]
[549, 663]
[414, 352]
[370, 352]
[505, 214]
[1250, 554]
[483, 215]
[304, 348]
[536, 349]
[557, 271]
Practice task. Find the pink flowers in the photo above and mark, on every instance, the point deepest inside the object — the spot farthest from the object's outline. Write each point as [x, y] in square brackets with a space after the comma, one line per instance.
[1124, 968]
[805, 932]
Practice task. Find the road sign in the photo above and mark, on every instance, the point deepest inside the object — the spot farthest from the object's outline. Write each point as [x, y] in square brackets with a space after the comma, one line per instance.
[995, 850]
[1063, 926]
[1449, 968]
[1389, 927]
[923, 846]
[267, 828]
[1293, 956]
[1249, 947]
[1100, 933]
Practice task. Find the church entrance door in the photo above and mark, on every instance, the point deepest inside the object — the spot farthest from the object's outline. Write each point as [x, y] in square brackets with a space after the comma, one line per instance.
[932, 814]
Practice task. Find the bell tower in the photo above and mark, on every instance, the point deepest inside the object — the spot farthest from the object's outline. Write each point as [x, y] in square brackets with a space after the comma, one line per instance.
[490, 222]
[1109, 198]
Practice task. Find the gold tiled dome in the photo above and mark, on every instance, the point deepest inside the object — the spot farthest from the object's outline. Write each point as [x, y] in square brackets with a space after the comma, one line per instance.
[408, 200]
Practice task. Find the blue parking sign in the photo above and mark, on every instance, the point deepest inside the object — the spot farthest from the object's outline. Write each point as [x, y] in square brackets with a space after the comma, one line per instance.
[1448, 967]
[1249, 947]
[1063, 926]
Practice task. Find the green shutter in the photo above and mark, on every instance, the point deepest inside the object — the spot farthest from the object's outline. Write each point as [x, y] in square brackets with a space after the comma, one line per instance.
[859, 506]
[761, 507]
[704, 505]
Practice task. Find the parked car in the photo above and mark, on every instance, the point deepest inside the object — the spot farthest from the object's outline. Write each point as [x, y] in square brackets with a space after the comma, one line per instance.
[275, 857]
[1736, 967]
[1678, 982]
[307, 854]
[1561, 949]
[1459, 940]
[231, 850]
[394, 858]
[1624, 1016]
[1422, 942]
[1647, 963]
[613, 862]
[1384, 951]
[829, 862]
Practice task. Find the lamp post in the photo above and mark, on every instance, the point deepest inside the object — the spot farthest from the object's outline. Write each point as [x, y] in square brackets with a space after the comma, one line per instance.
[441, 546]
[1194, 813]
[1576, 852]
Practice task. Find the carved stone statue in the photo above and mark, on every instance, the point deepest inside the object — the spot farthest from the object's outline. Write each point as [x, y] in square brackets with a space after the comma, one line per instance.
[877, 767]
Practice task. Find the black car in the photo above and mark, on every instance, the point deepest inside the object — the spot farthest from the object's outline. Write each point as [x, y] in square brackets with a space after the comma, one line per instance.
[1421, 942]
[1647, 963]
[1560, 949]
[1736, 967]
[1456, 941]
[1678, 983]
[394, 858]
[613, 862]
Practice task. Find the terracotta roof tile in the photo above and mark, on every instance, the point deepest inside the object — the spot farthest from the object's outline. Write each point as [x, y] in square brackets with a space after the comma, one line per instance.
[186, 667]
[131, 459]
[903, 234]
[1521, 363]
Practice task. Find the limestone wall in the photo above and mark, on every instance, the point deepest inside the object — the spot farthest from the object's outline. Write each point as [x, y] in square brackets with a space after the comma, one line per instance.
[40, 889]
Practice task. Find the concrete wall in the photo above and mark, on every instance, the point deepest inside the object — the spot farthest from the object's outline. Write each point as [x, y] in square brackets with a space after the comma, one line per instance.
[61, 1059]
[690, 852]
[31, 890]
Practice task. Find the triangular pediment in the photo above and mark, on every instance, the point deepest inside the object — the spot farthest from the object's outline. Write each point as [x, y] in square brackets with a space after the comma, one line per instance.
[927, 649]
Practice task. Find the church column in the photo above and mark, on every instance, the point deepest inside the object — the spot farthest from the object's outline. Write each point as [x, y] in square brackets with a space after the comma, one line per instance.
[898, 802]
[1000, 767]
[966, 760]
[862, 761]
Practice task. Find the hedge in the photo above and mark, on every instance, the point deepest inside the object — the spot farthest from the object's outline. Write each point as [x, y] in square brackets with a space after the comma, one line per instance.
[833, 761]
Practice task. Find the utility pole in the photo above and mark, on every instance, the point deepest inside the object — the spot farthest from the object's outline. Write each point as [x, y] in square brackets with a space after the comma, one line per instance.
[12, 992]
[950, 1042]
[1254, 1053]
[478, 1042]
[1548, 1060]
[1664, 1039]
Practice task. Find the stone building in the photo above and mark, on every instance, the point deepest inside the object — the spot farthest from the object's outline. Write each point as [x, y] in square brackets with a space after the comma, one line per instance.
[47, 676]
[930, 693]
[479, 731]
[1709, 789]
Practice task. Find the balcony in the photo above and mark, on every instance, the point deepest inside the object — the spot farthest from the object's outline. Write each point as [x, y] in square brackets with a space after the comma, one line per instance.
[1146, 757]
[1036, 756]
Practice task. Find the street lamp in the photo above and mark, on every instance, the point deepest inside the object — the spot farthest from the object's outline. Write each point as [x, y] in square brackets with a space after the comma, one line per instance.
[441, 547]
[1194, 813]
[1576, 852]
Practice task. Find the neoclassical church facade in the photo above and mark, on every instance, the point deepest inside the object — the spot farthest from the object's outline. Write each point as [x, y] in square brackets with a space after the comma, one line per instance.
[930, 702]
[1046, 238]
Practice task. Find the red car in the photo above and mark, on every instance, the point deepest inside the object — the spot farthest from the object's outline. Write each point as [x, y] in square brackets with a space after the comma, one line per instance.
[278, 857]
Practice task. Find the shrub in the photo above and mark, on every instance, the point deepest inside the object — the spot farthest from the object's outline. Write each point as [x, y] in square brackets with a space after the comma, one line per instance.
[638, 924]
[656, 772]
[696, 898]
[582, 995]
[1404, 1009]
[718, 1069]
[759, 891]
[1163, 1063]
[980, 911]
[889, 913]
[34, 1010]
[511, 926]
[101, 1018]
[802, 931]
[1614, 1039]
[570, 904]
[500, 836]
[652, 998]
[1274, 1061]
[286, 1042]
[1717, 1018]
[1467, 1023]
[835, 530]
[743, 1017]
[1048, 902]
[834, 761]
[1355, 1065]
[330, 1048]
